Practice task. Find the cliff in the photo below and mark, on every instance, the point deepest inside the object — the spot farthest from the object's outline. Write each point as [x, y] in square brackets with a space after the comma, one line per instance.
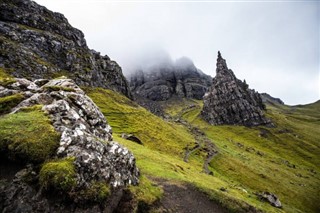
[161, 81]
[38, 43]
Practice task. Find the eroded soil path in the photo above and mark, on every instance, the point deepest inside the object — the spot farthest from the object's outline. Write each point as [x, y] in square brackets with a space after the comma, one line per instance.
[184, 198]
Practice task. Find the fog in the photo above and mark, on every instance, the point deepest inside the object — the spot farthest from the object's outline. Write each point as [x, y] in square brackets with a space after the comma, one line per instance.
[273, 45]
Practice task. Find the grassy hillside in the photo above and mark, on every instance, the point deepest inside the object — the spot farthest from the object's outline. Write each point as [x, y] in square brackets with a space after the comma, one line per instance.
[281, 160]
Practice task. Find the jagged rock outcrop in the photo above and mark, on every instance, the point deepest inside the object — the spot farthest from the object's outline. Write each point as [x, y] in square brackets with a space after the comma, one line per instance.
[230, 101]
[161, 81]
[266, 98]
[86, 138]
[37, 43]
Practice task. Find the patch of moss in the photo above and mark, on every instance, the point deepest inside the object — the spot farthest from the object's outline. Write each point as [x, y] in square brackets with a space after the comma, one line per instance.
[8, 102]
[58, 88]
[97, 192]
[5, 78]
[87, 69]
[28, 136]
[59, 175]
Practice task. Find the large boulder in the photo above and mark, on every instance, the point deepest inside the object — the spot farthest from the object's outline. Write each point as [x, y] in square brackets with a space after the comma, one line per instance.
[230, 101]
[38, 43]
[87, 156]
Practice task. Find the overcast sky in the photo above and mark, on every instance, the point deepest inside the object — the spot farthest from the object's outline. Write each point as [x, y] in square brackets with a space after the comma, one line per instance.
[273, 45]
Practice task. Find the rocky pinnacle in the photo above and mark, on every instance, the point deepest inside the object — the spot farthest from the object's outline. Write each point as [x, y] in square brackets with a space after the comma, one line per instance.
[230, 101]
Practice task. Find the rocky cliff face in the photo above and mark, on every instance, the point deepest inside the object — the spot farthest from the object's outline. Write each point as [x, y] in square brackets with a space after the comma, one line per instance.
[230, 101]
[87, 165]
[37, 43]
[161, 81]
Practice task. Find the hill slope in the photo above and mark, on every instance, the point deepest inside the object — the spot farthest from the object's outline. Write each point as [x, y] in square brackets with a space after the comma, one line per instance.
[282, 160]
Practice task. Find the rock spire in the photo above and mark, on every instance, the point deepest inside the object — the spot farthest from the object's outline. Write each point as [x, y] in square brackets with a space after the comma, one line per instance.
[230, 101]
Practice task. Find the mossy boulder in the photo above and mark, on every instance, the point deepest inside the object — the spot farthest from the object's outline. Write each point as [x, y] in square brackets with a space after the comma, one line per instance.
[80, 163]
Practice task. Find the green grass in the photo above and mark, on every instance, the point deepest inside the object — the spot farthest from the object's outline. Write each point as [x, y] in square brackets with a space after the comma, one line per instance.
[290, 164]
[126, 116]
[28, 136]
[235, 169]
[146, 192]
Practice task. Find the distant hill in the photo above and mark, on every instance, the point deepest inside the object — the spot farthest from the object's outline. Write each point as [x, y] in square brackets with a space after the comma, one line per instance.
[266, 98]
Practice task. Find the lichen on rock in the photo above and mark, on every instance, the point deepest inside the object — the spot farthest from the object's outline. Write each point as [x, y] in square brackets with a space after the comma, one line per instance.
[86, 154]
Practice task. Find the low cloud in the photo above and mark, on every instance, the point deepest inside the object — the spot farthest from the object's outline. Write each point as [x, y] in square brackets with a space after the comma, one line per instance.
[261, 41]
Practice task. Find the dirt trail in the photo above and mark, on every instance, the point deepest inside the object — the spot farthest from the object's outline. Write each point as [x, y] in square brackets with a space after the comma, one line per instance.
[184, 198]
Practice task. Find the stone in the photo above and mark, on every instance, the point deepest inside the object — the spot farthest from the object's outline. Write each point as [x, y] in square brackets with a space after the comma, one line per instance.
[21, 197]
[223, 189]
[86, 137]
[270, 198]
[230, 101]
[131, 137]
[37, 43]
